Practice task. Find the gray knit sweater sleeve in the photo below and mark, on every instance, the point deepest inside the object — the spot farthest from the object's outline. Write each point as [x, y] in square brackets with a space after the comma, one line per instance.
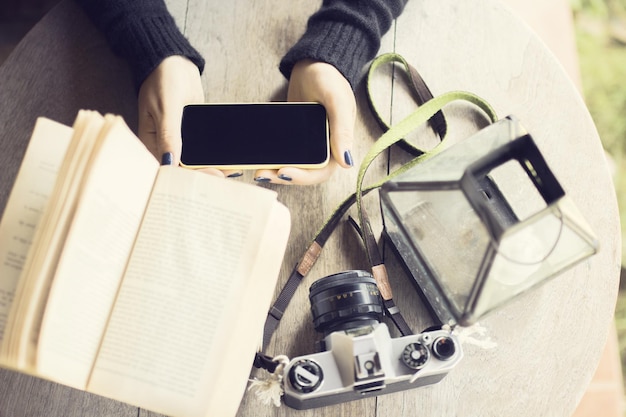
[143, 32]
[345, 34]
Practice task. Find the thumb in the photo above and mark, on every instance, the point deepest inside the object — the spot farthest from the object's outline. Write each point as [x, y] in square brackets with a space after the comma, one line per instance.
[168, 137]
[341, 114]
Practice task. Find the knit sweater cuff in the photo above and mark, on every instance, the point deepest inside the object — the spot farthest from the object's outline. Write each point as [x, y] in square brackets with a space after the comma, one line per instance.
[150, 40]
[340, 44]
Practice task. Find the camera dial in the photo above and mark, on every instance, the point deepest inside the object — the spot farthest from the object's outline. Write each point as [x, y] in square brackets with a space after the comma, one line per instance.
[415, 355]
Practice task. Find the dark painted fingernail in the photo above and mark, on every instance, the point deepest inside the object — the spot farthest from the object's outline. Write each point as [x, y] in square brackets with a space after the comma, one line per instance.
[167, 158]
[235, 175]
[285, 177]
[347, 156]
[262, 179]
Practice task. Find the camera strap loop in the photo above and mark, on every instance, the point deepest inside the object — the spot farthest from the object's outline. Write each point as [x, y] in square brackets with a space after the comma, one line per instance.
[426, 112]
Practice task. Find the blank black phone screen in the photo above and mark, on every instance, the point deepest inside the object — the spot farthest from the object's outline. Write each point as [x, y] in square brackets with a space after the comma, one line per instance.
[254, 134]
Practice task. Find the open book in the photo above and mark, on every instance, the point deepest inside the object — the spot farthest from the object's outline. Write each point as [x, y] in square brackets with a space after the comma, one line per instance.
[141, 283]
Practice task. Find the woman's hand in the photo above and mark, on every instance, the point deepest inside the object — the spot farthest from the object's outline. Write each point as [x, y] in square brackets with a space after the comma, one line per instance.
[313, 81]
[174, 83]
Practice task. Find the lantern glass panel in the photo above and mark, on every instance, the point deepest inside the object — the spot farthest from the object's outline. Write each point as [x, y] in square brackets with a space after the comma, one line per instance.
[481, 222]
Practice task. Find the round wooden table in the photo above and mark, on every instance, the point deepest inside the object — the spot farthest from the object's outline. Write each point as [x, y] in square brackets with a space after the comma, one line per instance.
[548, 342]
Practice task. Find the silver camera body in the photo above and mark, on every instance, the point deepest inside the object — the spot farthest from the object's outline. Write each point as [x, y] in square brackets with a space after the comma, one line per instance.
[361, 359]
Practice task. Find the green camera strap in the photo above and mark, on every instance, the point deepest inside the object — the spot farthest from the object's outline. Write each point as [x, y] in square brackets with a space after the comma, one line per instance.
[417, 87]
[429, 110]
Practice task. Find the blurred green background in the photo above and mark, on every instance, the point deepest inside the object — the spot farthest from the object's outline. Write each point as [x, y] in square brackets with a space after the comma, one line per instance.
[601, 40]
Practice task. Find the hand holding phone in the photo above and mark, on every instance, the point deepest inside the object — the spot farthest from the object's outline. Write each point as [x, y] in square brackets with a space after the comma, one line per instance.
[255, 136]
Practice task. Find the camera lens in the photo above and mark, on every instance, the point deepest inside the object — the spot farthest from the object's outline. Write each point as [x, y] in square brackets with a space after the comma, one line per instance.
[345, 301]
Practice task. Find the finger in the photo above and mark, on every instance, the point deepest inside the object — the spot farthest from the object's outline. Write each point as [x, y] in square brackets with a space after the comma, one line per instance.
[232, 173]
[168, 138]
[146, 132]
[268, 175]
[219, 173]
[167, 159]
[341, 113]
[212, 171]
[299, 176]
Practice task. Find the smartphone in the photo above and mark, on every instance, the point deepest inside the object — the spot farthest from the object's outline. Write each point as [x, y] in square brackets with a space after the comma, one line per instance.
[255, 135]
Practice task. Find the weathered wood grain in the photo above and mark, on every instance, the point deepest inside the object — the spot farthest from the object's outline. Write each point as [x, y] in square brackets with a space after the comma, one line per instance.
[61, 66]
[22, 395]
[549, 340]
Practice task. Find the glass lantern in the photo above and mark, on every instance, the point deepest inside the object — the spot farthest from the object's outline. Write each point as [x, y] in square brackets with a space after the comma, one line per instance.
[482, 222]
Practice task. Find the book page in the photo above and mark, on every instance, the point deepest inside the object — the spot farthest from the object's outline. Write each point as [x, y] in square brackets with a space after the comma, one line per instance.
[243, 337]
[109, 210]
[195, 256]
[30, 193]
[22, 327]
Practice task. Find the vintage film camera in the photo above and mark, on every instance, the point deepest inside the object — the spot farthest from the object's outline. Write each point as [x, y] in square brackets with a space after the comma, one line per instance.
[360, 359]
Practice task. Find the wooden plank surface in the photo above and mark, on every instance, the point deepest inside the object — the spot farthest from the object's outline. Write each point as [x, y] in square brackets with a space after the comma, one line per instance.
[549, 341]
[59, 67]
